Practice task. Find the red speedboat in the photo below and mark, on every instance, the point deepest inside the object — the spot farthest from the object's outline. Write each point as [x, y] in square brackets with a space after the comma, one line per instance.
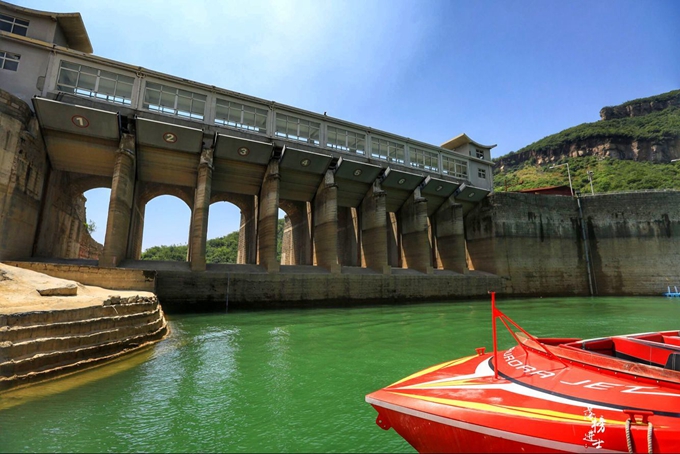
[612, 394]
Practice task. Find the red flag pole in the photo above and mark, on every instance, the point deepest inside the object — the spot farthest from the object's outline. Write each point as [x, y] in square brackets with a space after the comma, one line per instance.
[493, 328]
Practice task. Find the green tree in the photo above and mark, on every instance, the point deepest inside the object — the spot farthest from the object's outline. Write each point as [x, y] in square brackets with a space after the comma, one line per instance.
[90, 226]
[223, 249]
[174, 253]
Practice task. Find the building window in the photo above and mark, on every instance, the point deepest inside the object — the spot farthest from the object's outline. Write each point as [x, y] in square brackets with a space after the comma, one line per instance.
[230, 113]
[299, 129]
[387, 150]
[174, 101]
[9, 61]
[480, 153]
[95, 83]
[344, 140]
[454, 167]
[481, 173]
[423, 159]
[13, 25]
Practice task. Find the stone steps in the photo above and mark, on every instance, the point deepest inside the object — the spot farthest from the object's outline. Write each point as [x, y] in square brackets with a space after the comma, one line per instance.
[19, 333]
[39, 345]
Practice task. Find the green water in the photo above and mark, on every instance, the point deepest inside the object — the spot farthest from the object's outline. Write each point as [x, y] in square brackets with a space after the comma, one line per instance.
[284, 381]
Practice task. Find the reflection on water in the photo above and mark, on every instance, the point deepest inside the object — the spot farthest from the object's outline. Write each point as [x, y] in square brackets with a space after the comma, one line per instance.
[22, 395]
[284, 381]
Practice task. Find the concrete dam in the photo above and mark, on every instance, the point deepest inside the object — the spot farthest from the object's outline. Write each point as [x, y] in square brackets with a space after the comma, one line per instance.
[371, 216]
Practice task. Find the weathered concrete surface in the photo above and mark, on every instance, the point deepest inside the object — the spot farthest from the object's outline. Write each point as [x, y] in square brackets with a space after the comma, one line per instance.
[46, 336]
[449, 240]
[536, 242]
[374, 230]
[268, 218]
[199, 216]
[635, 241]
[120, 203]
[326, 224]
[415, 247]
[28, 187]
[23, 167]
[179, 290]
[110, 278]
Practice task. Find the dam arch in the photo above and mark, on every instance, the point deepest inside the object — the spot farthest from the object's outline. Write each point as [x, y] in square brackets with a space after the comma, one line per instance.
[169, 205]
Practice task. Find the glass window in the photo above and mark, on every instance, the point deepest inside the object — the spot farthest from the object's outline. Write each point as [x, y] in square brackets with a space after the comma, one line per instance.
[9, 61]
[95, 83]
[424, 159]
[294, 128]
[344, 140]
[13, 25]
[387, 150]
[174, 101]
[454, 167]
[237, 115]
[481, 173]
[480, 153]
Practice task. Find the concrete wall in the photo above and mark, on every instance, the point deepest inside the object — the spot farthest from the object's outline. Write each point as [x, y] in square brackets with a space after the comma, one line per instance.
[29, 78]
[28, 187]
[635, 241]
[111, 278]
[180, 290]
[535, 241]
[23, 171]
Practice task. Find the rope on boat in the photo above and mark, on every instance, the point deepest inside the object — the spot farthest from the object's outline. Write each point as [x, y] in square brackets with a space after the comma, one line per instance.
[629, 440]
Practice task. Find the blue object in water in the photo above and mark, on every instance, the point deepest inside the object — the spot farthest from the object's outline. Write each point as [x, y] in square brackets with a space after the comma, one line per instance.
[674, 294]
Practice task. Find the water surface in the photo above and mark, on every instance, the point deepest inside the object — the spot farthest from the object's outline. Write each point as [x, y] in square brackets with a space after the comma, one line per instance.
[285, 381]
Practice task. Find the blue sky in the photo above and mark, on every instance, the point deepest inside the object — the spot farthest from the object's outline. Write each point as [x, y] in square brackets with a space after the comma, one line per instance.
[504, 72]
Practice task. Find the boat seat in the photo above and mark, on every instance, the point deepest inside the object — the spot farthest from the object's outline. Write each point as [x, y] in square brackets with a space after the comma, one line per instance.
[673, 362]
[672, 340]
[645, 351]
[601, 346]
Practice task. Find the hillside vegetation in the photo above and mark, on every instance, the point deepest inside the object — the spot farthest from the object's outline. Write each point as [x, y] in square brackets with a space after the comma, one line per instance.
[618, 150]
[656, 126]
[218, 250]
[609, 175]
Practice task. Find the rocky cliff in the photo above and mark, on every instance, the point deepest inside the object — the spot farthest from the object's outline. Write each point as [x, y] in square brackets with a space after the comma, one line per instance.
[641, 107]
[641, 130]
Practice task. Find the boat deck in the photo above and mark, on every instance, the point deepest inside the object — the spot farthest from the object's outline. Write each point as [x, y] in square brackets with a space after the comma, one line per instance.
[660, 349]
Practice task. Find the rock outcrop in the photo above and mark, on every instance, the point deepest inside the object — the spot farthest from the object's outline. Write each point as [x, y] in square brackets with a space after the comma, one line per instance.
[640, 107]
[50, 327]
[611, 147]
[603, 143]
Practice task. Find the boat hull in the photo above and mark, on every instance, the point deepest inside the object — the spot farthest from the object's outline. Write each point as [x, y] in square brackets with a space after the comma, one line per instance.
[535, 404]
[429, 434]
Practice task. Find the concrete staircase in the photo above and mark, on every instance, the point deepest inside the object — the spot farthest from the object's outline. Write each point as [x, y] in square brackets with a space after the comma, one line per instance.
[35, 346]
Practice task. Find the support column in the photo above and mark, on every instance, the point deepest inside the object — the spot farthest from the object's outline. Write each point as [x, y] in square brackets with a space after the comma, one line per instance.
[449, 233]
[326, 224]
[374, 230]
[120, 203]
[199, 215]
[296, 247]
[414, 234]
[268, 218]
[393, 240]
[348, 236]
[136, 227]
[287, 252]
[247, 234]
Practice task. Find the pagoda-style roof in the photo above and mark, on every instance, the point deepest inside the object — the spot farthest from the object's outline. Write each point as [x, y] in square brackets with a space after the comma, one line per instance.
[462, 139]
[71, 24]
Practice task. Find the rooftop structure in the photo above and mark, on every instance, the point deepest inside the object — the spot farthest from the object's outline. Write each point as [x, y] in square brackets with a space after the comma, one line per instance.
[49, 56]
[144, 133]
